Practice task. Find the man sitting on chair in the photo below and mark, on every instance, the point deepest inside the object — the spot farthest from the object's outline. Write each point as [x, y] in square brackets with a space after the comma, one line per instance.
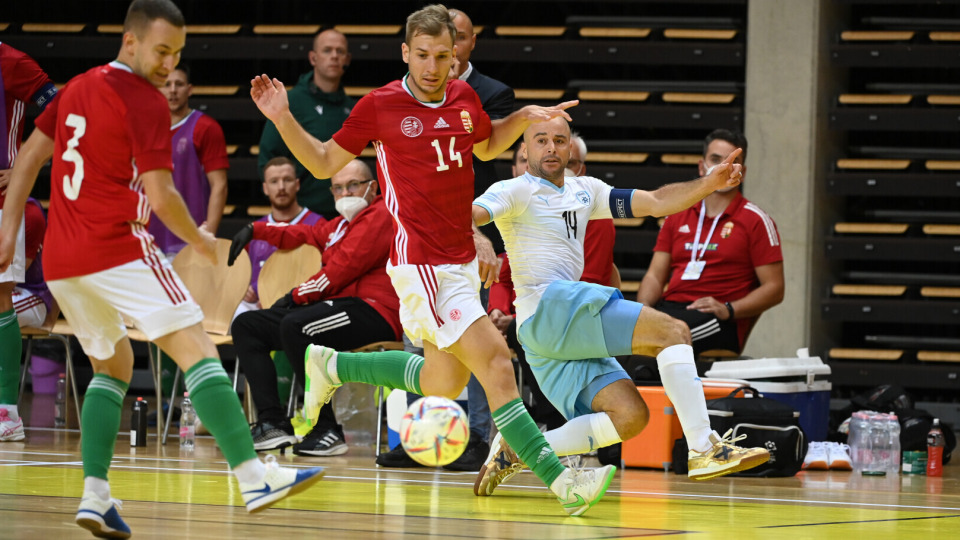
[347, 304]
[721, 258]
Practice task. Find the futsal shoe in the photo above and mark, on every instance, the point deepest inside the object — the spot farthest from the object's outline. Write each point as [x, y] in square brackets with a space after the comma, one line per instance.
[501, 465]
[272, 435]
[278, 483]
[322, 442]
[319, 387]
[397, 457]
[817, 458]
[581, 489]
[101, 517]
[724, 458]
[472, 458]
[839, 454]
[10, 429]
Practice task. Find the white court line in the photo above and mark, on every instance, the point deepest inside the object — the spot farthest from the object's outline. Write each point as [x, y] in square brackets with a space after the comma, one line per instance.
[27, 452]
[40, 463]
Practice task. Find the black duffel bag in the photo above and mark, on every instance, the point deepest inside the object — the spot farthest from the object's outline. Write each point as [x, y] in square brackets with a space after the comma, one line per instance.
[766, 423]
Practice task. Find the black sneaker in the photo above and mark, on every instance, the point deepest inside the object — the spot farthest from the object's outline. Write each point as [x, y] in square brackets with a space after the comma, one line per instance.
[272, 435]
[397, 458]
[321, 442]
[473, 456]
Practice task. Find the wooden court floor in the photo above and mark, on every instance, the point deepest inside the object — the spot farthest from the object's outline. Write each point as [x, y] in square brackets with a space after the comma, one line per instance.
[169, 494]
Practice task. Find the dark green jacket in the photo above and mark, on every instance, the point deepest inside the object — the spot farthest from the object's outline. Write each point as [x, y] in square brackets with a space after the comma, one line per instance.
[321, 114]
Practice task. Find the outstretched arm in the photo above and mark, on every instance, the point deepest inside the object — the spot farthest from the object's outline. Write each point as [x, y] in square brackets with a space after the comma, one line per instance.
[322, 159]
[507, 130]
[33, 154]
[673, 198]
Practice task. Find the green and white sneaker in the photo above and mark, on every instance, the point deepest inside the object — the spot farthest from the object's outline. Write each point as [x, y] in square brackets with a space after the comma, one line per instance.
[319, 387]
[578, 490]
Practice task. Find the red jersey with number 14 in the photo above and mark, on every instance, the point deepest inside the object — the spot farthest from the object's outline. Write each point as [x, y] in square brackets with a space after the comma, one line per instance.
[109, 126]
[425, 164]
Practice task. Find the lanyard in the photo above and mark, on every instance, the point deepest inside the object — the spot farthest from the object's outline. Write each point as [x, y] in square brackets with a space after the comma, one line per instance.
[696, 239]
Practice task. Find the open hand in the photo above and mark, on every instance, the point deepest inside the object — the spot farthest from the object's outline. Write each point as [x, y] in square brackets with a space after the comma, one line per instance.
[270, 96]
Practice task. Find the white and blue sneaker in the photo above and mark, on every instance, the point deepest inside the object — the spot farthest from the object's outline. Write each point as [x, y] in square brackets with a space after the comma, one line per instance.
[318, 387]
[101, 517]
[278, 483]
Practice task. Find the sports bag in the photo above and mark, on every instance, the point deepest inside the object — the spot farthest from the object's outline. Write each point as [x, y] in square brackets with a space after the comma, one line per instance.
[765, 422]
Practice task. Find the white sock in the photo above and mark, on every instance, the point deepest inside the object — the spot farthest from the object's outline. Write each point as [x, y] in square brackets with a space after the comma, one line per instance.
[685, 390]
[250, 471]
[99, 486]
[583, 434]
[12, 411]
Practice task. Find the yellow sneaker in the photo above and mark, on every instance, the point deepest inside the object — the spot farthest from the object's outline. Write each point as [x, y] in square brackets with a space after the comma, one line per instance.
[724, 458]
[501, 465]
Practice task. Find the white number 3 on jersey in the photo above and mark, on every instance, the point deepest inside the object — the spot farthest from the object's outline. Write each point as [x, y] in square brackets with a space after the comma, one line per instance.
[71, 184]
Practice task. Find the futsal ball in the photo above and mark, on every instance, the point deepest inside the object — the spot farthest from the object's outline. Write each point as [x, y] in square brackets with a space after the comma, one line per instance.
[434, 431]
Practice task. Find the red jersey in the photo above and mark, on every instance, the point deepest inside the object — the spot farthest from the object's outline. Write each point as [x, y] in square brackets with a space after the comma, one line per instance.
[425, 163]
[355, 256]
[109, 126]
[598, 251]
[21, 81]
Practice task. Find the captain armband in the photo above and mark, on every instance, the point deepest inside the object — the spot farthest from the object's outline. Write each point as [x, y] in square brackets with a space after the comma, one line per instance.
[620, 203]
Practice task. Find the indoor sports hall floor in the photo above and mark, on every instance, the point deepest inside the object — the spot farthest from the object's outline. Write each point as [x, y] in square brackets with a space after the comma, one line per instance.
[167, 494]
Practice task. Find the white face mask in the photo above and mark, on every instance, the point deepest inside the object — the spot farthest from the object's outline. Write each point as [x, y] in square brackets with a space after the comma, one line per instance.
[348, 207]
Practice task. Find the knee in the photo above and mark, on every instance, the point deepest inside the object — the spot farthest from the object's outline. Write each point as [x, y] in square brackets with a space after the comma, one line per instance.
[677, 333]
[634, 422]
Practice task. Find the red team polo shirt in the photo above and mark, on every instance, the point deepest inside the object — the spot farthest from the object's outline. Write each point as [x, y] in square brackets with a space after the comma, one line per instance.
[425, 163]
[109, 126]
[745, 237]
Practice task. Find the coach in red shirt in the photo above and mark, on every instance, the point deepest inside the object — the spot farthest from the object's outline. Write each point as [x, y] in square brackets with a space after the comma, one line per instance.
[717, 265]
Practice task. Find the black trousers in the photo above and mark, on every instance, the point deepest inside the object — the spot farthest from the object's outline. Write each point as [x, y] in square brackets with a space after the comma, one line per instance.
[340, 323]
[708, 332]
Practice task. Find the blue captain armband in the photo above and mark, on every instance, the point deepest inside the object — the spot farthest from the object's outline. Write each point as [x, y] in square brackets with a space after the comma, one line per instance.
[44, 95]
[620, 203]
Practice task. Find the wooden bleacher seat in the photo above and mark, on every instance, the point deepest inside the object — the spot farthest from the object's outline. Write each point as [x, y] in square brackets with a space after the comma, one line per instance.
[940, 292]
[875, 99]
[697, 33]
[258, 210]
[232, 149]
[215, 90]
[358, 91]
[870, 228]
[530, 31]
[887, 355]
[629, 286]
[618, 33]
[229, 208]
[877, 35]
[938, 356]
[698, 97]
[612, 95]
[214, 29]
[844, 289]
[286, 29]
[939, 99]
[885, 164]
[53, 28]
[941, 229]
[255, 150]
[629, 222]
[4, 26]
[617, 157]
[534, 94]
[680, 159]
[942, 165]
[284, 270]
[369, 29]
[944, 36]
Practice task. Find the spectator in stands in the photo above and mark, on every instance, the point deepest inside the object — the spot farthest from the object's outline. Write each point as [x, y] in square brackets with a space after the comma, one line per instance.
[719, 260]
[280, 185]
[21, 82]
[600, 234]
[200, 162]
[346, 305]
[320, 105]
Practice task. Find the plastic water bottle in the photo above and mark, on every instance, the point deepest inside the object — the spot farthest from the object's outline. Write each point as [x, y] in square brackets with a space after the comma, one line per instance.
[188, 418]
[935, 449]
[60, 407]
[879, 445]
[859, 440]
[893, 467]
[138, 423]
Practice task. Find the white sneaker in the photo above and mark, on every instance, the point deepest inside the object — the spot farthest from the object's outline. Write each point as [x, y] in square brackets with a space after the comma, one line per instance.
[10, 429]
[839, 456]
[581, 489]
[818, 457]
[318, 388]
[278, 483]
[101, 517]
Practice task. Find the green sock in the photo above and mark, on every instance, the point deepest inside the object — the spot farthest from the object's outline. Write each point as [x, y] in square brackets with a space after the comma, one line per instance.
[522, 434]
[393, 369]
[11, 347]
[102, 406]
[219, 408]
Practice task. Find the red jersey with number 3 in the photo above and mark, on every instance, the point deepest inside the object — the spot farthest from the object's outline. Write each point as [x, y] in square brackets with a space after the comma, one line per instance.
[109, 126]
[425, 164]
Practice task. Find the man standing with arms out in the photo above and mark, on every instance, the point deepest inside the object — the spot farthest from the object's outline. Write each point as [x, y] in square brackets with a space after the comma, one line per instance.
[21, 82]
[426, 129]
[108, 134]
[200, 161]
[737, 248]
[320, 105]
[570, 329]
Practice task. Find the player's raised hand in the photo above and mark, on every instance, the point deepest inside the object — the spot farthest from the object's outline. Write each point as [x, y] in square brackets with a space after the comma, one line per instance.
[207, 245]
[270, 96]
[726, 174]
[536, 113]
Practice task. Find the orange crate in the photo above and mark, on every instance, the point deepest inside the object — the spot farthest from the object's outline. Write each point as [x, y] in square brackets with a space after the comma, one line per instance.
[653, 447]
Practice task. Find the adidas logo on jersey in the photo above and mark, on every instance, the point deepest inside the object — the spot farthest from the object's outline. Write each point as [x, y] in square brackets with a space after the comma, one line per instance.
[441, 123]
[544, 452]
[684, 228]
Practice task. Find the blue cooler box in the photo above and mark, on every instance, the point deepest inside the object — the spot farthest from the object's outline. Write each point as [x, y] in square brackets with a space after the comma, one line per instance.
[798, 382]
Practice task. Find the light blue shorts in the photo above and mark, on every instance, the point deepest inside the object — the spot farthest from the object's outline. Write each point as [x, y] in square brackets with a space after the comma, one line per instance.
[570, 340]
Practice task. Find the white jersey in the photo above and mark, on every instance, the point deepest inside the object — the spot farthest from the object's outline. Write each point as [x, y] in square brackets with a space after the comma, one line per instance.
[543, 228]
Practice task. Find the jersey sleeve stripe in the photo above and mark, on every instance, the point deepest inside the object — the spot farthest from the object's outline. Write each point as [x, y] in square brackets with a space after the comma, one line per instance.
[767, 222]
[393, 205]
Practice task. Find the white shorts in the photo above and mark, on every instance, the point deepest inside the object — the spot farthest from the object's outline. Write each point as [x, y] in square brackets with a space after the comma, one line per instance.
[152, 298]
[30, 308]
[18, 267]
[437, 303]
